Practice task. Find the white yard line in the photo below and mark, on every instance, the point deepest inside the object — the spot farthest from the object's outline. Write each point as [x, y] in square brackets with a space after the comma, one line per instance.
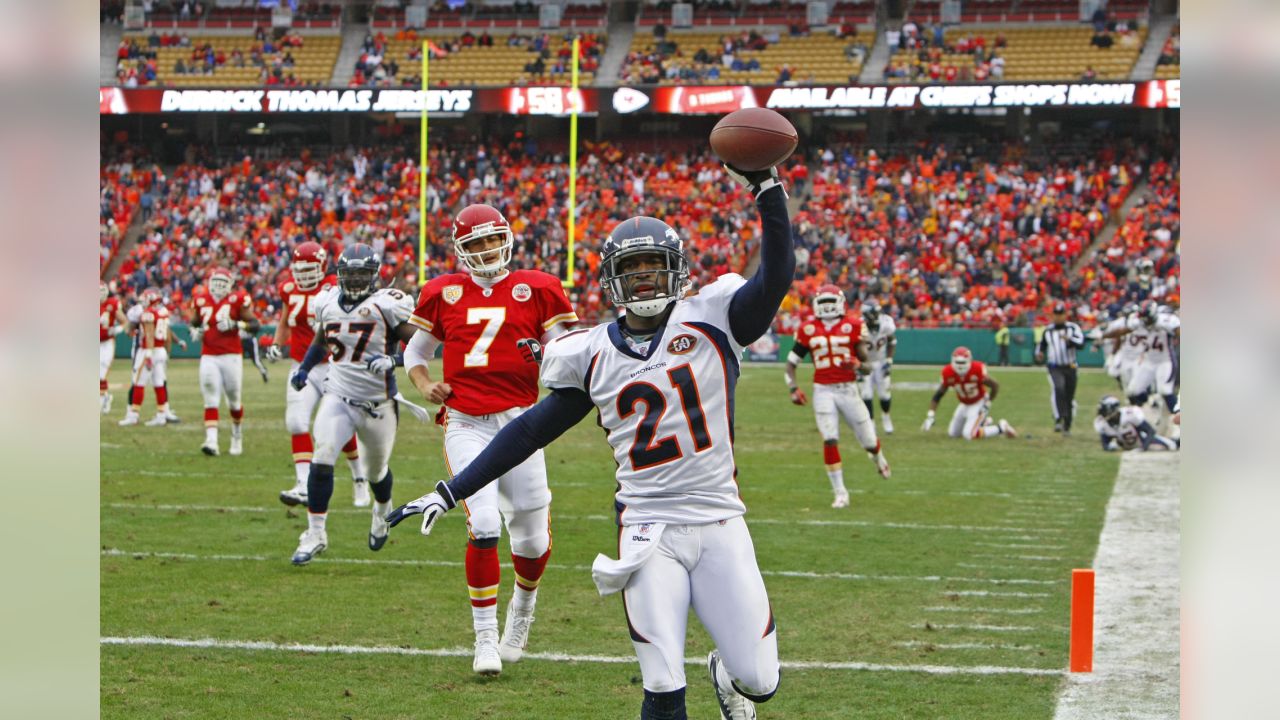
[966, 646]
[995, 593]
[1136, 661]
[143, 554]
[992, 611]
[988, 628]
[268, 646]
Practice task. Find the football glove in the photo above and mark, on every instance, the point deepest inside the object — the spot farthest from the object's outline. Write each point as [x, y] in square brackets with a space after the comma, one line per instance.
[298, 379]
[757, 181]
[862, 372]
[531, 350]
[114, 330]
[274, 353]
[928, 421]
[798, 397]
[430, 506]
[226, 324]
[888, 366]
[379, 364]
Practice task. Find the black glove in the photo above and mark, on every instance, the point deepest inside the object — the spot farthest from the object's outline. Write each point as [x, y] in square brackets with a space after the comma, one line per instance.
[757, 181]
[531, 350]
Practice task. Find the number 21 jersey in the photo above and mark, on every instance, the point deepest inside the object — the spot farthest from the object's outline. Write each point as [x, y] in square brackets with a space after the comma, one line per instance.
[667, 410]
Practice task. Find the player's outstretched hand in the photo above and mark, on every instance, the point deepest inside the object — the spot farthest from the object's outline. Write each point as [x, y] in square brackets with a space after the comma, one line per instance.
[888, 366]
[757, 181]
[798, 397]
[531, 350]
[298, 379]
[928, 421]
[379, 364]
[274, 353]
[430, 506]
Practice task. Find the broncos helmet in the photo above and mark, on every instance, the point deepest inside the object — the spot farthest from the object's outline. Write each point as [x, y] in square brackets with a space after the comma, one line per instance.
[1109, 409]
[358, 267]
[1147, 312]
[644, 292]
[871, 314]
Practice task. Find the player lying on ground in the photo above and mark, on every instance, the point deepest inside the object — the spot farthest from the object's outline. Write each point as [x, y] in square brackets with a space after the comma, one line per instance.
[972, 419]
[662, 380]
[1126, 428]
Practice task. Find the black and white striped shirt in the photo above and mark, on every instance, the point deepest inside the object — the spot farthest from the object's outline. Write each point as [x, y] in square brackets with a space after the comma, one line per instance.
[1059, 344]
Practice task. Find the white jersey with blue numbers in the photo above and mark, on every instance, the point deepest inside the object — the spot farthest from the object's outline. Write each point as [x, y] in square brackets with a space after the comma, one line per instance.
[667, 408]
[1124, 433]
[353, 335]
[878, 340]
[1155, 340]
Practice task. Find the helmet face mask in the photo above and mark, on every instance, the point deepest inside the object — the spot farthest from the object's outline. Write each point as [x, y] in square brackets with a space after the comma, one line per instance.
[358, 268]
[961, 360]
[220, 284]
[644, 268]
[103, 292]
[308, 265]
[828, 303]
[1109, 409]
[482, 240]
[150, 296]
[871, 314]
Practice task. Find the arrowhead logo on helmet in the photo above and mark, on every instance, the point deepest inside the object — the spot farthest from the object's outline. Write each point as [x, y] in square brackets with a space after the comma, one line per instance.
[482, 240]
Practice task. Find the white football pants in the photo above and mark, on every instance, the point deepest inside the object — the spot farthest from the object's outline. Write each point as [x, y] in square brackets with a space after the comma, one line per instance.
[711, 568]
[840, 400]
[106, 353]
[299, 404]
[156, 376]
[876, 384]
[967, 421]
[221, 375]
[1148, 374]
[336, 420]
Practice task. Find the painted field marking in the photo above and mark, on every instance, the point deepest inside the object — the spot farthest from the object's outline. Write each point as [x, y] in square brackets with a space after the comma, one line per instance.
[992, 611]
[995, 593]
[268, 646]
[966, 646]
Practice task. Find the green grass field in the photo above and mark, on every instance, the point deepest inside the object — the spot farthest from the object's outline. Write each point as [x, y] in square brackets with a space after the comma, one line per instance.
[940, 593]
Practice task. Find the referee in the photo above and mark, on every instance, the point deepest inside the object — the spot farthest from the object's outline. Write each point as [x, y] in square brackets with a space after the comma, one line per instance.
[1057, 349]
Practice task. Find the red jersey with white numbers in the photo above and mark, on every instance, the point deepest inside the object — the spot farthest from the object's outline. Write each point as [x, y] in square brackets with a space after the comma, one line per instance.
[480, 327]
[107, 317]
[831, 344]
[300, 312]
[160, 316]
[969, 388]
[218, 342]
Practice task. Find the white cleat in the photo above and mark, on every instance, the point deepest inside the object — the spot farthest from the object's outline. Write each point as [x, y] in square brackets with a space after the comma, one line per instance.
[106, 404]
[378, 532]
[209, 448]
[157, 421]
[886, 423]
[882, 466]
[169, 417]
[310, 544]
[360, 492]
[1007, 429]
[515, 634]
[841, 501]
[237, 446]
[732, 705]
[488, 661]
[297, 495]
[129, 419]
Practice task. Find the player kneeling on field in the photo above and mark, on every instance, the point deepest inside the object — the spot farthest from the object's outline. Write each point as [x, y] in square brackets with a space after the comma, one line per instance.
[661, 379]
[358, 327]
[972, 419]
[1126, 428]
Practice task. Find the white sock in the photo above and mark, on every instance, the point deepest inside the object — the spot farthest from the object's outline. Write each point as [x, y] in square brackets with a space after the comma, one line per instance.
[524, 600]
[355, 469]
[837, 480]
[991, 430]
[381, 508]
[315, 521]
[301, 471]
[211, 436]
[237, 431]
[484, 618]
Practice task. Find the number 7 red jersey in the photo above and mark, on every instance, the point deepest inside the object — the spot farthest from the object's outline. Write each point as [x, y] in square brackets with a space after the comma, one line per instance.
[480, 326]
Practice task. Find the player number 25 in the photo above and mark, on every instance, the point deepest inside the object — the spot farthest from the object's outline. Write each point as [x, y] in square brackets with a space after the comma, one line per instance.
[492, 317]
[827, 354]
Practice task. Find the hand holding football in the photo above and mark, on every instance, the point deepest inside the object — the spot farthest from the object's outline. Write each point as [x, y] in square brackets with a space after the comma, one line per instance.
[753, 139]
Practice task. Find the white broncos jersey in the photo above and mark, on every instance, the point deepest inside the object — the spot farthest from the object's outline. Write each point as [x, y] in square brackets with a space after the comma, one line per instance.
[1125, 433]
[668, 411]
[354, 335]
[1130, 348]
[1154, 341]
[878, 340]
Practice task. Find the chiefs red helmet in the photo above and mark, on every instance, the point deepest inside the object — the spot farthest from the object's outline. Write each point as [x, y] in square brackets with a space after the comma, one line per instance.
[477, 222]
[961, 360]
[104, 292]
[828, 302]
[308, 265]
[151, 296]
[220, 283]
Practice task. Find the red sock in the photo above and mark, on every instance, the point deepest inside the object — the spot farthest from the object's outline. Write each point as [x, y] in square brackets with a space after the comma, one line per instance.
[237, 414]
[482, 575]
[135, 396]
[831, 454]
[302, 447]
[211, 417]
[529, 570]
[102, 386]
[162, 395]
[351, 449]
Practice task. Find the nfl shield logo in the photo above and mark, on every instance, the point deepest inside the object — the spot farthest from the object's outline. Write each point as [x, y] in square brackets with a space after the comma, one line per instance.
[452, 293]
[521, 292]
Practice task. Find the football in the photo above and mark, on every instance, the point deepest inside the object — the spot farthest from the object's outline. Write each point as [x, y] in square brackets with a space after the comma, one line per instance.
[753, 139]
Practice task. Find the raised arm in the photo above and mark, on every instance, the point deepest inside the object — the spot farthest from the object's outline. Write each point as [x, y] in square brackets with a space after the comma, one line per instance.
[754, 304]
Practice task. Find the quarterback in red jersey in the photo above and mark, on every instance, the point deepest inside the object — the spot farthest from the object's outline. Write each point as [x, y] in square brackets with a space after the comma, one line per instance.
[299, 288]
[832, 338]
[151, 358]
[972, 419]
[220, 311]
[492, 322]
[110, 321]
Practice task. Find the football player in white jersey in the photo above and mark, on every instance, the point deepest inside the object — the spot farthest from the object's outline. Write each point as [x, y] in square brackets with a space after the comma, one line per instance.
[1126, 428]
[360, 327]
[879, 342]
[662, 379]
[1156, 333]
[1125, 351]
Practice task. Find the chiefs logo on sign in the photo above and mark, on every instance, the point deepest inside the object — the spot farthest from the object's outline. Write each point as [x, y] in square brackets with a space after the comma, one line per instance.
[451, 293]
[681, 344]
